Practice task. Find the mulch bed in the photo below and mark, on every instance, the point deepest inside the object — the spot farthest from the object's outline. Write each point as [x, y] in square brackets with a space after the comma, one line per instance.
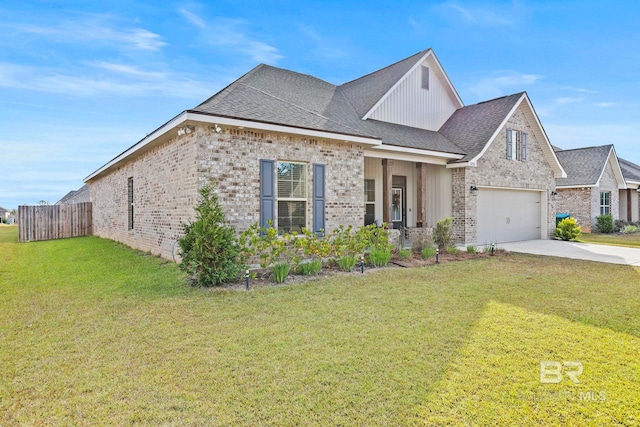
[262, 277]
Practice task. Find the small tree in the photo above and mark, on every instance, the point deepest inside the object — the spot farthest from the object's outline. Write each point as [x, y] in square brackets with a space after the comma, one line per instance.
[209, 248]
[604, 224]
[442, 233]
[568, 229]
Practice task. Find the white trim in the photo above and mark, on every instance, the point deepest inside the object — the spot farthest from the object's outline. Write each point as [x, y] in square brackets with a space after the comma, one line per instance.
[411, 70]
[564, 187]
[617, 171]
[409, 155]
[510, 188]
[409, 150]
[225, 121]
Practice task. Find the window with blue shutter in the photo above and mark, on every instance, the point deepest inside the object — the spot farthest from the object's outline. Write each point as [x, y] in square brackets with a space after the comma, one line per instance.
[318, 199]
[267, 192]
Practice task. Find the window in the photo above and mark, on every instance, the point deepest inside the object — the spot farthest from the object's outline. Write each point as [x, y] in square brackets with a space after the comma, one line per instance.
[130, 202]
[516, 147]
[425, 77]
[369, 201]
[292, 196]
[605, 202]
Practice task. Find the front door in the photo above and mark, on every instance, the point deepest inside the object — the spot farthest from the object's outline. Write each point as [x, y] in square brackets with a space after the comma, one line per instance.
[398, 202]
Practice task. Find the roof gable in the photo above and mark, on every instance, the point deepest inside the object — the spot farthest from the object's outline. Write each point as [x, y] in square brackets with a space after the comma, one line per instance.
[475, 127]
[585, 166]
[367, 93]
[630, 171]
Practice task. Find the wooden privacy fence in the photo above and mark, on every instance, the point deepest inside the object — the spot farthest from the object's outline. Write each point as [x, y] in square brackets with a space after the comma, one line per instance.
[54, 222]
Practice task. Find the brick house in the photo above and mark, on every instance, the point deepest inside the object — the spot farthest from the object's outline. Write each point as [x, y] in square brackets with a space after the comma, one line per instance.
[595, 184]
[395, 146]
[629, 200]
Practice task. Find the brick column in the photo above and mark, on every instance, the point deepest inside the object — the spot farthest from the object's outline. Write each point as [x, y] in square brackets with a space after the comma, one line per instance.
[387, 182]
[421, 214]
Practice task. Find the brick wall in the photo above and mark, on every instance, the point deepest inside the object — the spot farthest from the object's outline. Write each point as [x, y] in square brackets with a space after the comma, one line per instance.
[167, 178]
[577, 203]
[165, 192]
[495, 170]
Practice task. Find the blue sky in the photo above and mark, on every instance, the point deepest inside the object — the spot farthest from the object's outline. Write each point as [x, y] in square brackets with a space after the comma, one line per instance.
[82, 81]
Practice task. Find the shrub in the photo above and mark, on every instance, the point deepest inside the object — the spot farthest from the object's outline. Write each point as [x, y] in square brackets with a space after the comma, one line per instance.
[568, 229]
[346, 262]
[209, 249]
[310, 267]
[620, 224]
[604, 223]
[428, 252]
[405, 253]
[379, 257]
[630, 229]
[442, 233]
[472, 249]
[452, 250]
[281, 271]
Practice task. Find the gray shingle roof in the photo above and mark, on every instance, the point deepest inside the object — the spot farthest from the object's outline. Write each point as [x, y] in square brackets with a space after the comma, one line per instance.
[76, 196]
[364, 92]
[274, 95]
[472, 126]
[584, 166]
[630, 170]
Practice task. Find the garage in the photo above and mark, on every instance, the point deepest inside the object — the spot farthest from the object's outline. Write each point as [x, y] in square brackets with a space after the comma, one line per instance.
[508, 215]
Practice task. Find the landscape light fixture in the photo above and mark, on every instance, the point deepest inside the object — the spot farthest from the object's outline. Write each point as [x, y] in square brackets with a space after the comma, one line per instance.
[474, 190]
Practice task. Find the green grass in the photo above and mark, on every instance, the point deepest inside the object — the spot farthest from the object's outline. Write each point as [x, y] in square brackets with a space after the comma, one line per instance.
[630, 240]
[93, 333]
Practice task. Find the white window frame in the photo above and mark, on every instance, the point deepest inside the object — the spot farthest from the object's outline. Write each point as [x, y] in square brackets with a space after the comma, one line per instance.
[368, 202]
[605, 208]
[302, 198]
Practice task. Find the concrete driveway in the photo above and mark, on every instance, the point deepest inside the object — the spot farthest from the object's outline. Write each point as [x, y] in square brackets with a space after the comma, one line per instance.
[586, 251]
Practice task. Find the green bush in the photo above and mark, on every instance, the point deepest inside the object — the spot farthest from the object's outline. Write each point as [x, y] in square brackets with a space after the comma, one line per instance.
[630, 229]
[452, 250]
[346, 262]
[472, 249]
[209, 249]
[568, 229]
[281, 271]
[405, 253]
[442, 233]
[428, 252]
[604, 224]
[310, 267]
[379, 257]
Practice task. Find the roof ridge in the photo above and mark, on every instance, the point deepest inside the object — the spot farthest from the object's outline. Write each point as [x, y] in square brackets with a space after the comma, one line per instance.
[222, 93]
[585, 148]
[421, 53]
[496, 99]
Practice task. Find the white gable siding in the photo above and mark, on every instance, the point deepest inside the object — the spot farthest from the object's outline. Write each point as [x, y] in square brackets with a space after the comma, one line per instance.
[411, 105]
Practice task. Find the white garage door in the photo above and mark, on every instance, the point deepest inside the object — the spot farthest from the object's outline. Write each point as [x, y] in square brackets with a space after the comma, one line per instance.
[508, 215]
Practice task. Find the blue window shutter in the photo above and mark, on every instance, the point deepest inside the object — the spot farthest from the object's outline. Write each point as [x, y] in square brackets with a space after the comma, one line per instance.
[318, 199]
[267, 192]
[523, 146]
[509, 144]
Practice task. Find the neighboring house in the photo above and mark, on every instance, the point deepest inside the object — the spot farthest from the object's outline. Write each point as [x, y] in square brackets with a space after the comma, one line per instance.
[629, 203]
[4, 213]
[593, 186]
[76, 196]
[395, 146]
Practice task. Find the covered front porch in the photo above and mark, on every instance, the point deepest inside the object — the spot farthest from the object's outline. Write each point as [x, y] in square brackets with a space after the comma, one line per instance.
[408, 193]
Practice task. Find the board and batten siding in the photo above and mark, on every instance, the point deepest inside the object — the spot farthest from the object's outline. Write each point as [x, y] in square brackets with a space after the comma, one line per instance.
[438, 189]
[411, 105]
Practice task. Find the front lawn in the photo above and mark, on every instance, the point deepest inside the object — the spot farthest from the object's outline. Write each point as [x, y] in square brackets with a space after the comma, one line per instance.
[94, 333]
[631, 240]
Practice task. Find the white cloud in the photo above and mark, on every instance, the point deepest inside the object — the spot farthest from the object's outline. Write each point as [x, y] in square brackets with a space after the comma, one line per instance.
[95, 28]
[118, 79]
[605, 104]
[481, 15]
[192, 18]
[568, 100]
[503, 83]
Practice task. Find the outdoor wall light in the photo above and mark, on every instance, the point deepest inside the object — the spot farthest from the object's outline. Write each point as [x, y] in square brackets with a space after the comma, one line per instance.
[554, 195]
[216, 128]
[474, 190]
[185, 130]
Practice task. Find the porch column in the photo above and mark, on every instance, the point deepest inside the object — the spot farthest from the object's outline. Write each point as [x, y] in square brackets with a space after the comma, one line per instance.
[421, 214]
[387, 182]
[629, 211]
